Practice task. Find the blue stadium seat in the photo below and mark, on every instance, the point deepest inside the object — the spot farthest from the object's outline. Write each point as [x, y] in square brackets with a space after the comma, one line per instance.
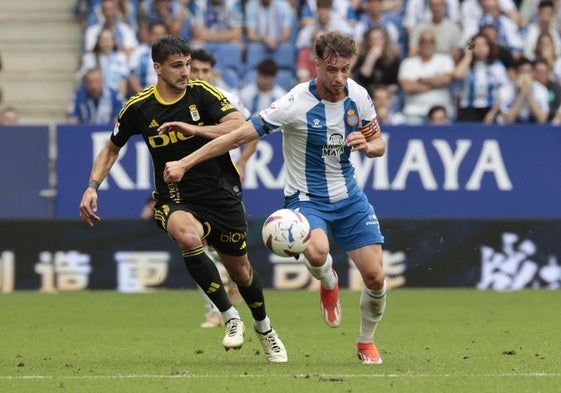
[249, 76]
[255, 54]
[228, 61]
[285, 56]
[286, 79]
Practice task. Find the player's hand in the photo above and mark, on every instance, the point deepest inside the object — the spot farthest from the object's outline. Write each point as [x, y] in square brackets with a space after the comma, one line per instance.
[356, 141]
[180, 126]
[88, 207]
[174, 171]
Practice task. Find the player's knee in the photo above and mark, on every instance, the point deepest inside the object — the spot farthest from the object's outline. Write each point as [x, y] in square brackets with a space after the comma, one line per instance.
[315, 256]
[374, 280]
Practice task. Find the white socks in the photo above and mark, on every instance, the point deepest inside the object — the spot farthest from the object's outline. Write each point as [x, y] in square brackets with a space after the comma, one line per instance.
[323, 273]
[262, 326]
[230, 313]
[372, 306]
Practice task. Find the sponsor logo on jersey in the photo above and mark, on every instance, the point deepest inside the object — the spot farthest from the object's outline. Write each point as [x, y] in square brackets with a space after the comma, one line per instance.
[194, 112]
[162, 140]
[153, 124]
[335, 146]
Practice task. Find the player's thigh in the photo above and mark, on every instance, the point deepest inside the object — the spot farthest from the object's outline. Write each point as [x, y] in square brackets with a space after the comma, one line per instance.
[181, 219]
[179, 223]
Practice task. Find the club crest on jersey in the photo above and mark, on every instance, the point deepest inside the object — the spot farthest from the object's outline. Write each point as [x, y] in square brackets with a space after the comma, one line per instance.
[352, 118]
[316, 123]
[194, 112]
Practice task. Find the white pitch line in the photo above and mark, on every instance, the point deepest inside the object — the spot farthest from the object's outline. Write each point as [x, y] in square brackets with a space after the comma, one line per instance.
[221, 376]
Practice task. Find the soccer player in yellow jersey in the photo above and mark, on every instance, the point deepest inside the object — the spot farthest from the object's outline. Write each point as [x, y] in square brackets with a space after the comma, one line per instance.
[205, 204]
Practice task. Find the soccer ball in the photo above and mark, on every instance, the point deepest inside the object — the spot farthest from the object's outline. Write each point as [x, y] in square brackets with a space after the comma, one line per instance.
[286, 233]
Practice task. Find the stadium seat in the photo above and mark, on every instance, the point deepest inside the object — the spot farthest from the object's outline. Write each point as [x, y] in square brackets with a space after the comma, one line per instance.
[286, 79]
[285, 56]
[255, 54]
[228, 61]
[249, 76]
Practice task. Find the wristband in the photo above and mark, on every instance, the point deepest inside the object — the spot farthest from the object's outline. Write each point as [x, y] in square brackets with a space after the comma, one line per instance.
[93, 184]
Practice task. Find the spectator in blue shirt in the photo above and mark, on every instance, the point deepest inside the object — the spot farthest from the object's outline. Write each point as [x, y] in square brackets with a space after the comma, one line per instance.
[94, 103]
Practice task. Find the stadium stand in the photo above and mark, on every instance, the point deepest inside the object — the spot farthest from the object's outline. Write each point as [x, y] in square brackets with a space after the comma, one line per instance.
[40, 43]
[41, 46]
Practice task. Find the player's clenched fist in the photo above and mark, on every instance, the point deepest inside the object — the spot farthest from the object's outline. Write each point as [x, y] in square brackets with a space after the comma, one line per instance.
[174, 172]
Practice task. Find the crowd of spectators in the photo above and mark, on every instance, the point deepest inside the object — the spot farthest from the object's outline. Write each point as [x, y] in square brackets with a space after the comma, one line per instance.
[486, 61]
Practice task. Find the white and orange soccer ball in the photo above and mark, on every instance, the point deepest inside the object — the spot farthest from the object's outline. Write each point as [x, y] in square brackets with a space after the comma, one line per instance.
[286, 233]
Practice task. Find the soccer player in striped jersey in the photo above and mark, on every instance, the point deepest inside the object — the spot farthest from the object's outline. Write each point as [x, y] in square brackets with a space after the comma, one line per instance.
[322, 121]
[205, 204]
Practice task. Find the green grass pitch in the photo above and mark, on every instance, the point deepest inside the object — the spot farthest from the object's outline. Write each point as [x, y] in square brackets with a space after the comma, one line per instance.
[431, 340]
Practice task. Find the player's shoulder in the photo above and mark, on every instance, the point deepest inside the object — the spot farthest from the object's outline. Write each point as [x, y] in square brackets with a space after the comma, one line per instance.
[139, 99]
[354, 86]
[356, 91]
[197, 85]
[300, 98]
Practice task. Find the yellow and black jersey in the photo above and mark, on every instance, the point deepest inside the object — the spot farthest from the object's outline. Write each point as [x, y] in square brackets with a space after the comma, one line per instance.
[202, 104]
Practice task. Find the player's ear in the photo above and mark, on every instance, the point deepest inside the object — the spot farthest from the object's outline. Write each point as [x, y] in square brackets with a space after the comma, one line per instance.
[157, 67]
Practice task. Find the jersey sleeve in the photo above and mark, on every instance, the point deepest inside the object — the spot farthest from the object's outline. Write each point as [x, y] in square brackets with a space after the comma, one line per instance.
[368, 125]
[279, 113]
[124, 126]
[213, 99]
[365, 106]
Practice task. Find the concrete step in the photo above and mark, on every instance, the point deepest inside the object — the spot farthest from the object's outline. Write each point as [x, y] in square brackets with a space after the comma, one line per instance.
[36, 7]
[20, 62]
[40, 31]
[40, 44]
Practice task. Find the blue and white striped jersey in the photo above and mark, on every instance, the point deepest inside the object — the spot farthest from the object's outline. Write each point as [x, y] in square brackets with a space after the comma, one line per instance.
[480, 84]
[314, 133]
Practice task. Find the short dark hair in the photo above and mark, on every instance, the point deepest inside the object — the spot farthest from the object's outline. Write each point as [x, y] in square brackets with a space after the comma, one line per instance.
[267, 67]
[546, 4]
[324, 3]
[521, 61]
[333, 44]
[434, 109]
[541, 60]
[169, 45]
[204, 56]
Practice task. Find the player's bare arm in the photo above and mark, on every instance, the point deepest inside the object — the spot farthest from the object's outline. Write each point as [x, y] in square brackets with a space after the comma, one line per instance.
[229, 122]
[176, 169]
[101, 167]
[247, 151]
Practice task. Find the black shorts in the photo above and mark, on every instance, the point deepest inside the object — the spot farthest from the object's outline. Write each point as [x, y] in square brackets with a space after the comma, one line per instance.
[225, 226]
